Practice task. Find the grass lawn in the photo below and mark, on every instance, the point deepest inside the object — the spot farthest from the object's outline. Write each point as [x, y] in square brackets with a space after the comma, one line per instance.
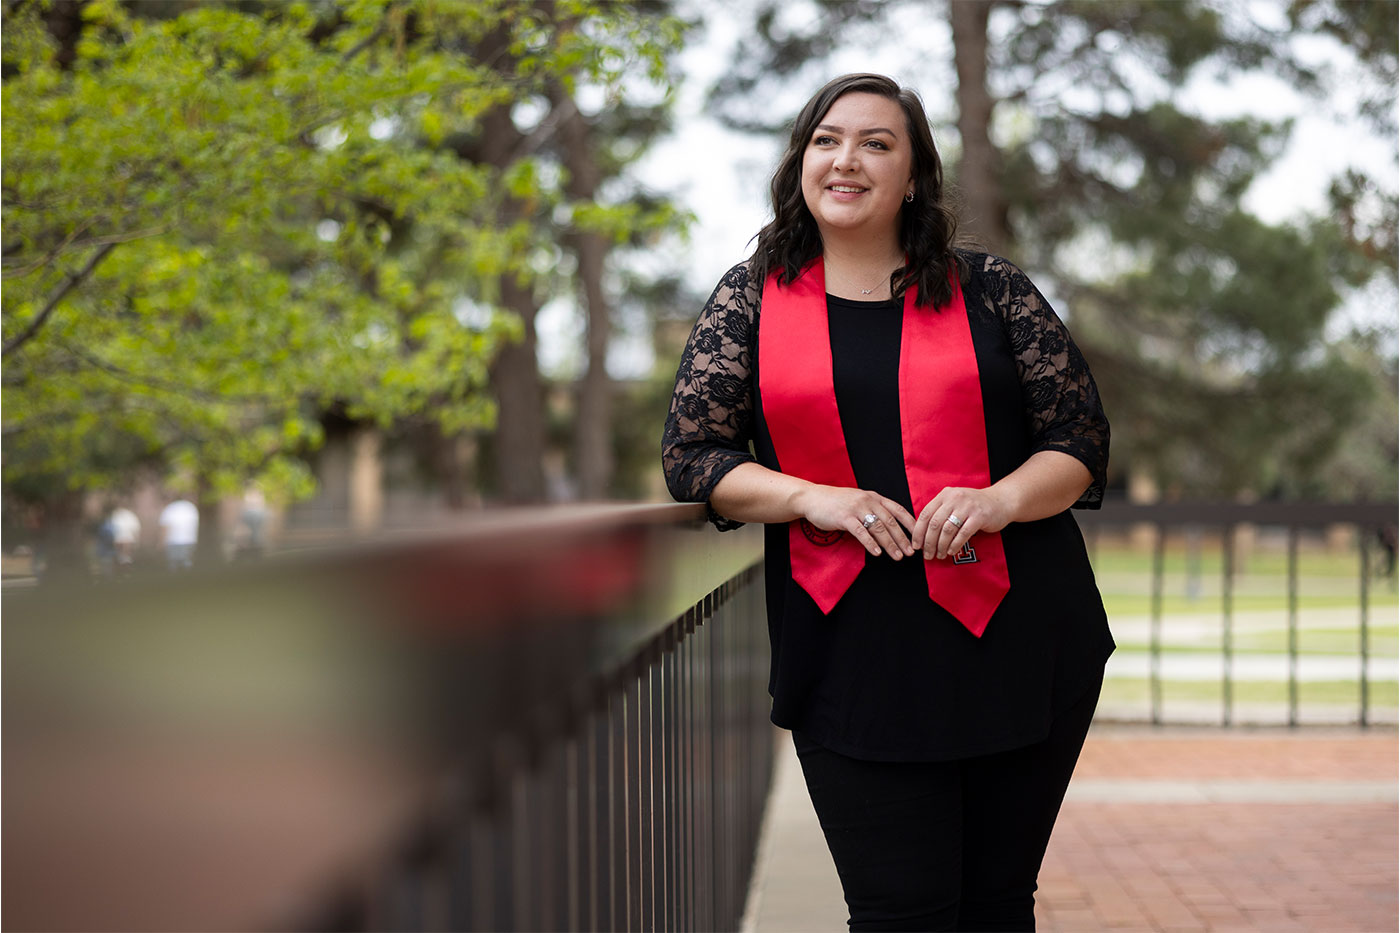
[1259, 584]
[1209, 561]
[1193, 585]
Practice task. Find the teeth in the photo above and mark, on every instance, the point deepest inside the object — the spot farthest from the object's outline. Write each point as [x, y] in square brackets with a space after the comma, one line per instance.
[845, 188]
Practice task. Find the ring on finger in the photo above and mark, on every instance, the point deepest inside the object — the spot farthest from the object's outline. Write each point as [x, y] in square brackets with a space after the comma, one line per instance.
[869, 519]
[955, 521]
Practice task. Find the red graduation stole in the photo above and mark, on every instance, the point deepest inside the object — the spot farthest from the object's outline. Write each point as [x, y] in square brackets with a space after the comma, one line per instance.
[941, 424]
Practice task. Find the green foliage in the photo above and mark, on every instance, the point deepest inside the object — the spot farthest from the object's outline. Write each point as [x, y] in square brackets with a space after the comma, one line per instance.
[221, 220]
[1210, 324]
[1207, 328]
[1371, 30]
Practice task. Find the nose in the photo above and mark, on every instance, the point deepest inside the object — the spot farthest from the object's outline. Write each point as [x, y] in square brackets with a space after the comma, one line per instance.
[847, 157]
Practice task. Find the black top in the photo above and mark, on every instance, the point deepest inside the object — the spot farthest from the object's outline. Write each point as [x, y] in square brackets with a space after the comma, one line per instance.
[889, 674]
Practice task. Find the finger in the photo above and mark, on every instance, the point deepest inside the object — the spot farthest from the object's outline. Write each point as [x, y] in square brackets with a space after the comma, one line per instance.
[924, 526]
[857, 530]
[884, 529]
[893, 516]
[933, 519]
[950, 533]
[954, 535]
[964, 535]
[901, 514]
[920, 528]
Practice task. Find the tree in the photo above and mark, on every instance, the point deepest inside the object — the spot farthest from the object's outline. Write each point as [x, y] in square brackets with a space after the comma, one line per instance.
[1083, 159]
[594, 151]
[582, 152]
[220, 221]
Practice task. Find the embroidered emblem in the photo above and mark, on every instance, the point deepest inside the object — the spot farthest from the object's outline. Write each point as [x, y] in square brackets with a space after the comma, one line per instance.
[966, 556]
[817, 536]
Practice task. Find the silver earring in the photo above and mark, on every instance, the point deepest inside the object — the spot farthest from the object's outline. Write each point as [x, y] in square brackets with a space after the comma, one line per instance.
[909, 198]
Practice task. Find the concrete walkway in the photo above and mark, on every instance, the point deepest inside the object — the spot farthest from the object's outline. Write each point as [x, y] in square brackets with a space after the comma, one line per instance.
[1165, 829]
[1252, 666]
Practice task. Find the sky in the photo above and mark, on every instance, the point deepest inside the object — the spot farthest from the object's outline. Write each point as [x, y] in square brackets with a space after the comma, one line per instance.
[722, 176]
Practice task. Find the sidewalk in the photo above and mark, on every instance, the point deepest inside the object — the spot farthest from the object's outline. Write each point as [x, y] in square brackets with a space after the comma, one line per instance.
[1165, 829]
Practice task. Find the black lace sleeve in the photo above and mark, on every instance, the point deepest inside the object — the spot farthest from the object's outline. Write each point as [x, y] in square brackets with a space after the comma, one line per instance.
[710, 423]
[1061, 399]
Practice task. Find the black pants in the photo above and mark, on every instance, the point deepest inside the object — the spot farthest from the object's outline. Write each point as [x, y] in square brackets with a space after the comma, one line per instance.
[947, 845]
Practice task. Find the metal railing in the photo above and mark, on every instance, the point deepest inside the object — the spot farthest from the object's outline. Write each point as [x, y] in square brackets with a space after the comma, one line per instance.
[547, 720]
[1190, 520]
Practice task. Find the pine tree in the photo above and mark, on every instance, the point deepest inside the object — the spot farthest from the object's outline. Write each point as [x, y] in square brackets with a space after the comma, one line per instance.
[1082, 159]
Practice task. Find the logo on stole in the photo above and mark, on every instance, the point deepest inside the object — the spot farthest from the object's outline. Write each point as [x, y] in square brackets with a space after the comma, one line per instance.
[966, 556]
[817, 536]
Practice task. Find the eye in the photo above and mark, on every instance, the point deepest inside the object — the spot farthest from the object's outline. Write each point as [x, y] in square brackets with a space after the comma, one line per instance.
[823, 140]
[879, 144]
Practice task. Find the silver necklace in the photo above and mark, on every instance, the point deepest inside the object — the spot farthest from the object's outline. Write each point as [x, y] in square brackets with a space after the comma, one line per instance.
[873, 288]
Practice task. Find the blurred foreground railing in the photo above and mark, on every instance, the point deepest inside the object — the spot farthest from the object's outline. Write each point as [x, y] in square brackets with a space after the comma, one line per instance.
[548, 720]
[1370, 527]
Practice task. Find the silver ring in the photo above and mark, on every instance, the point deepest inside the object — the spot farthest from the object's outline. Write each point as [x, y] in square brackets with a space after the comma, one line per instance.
[956, 522]
[869, 520]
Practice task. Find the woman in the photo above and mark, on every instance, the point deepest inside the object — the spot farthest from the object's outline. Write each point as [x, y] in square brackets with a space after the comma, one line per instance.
[921, 423]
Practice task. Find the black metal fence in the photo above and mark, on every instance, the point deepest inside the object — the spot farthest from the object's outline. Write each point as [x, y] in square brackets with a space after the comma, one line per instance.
[1372, 526]
[549, 721]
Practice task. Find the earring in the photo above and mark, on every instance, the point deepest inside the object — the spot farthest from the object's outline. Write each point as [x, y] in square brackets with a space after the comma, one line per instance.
[909, 197]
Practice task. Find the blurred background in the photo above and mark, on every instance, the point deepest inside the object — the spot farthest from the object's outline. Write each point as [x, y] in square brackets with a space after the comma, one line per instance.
[330, 266]
[280, 277]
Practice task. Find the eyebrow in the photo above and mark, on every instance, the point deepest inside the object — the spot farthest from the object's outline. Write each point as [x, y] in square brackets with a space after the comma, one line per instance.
[841, 129]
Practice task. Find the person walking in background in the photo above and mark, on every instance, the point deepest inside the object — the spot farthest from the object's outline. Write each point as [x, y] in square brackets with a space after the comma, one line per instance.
[253, 518]
[921, 423]
[179, 525]
[126, 537]
[103, 549]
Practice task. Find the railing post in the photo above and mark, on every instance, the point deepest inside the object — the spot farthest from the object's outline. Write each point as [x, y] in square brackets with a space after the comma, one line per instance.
[704, 823]
[617, 806]
[1363, 533]
[715, 728]
[646, 793]
[597, 764]
[670, 843]
[1227, 609]
[633, 801]
[689, 840]
[1293, 626]
[1159, 548]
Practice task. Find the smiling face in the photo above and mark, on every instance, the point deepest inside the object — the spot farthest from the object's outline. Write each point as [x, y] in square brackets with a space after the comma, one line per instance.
[857, 168]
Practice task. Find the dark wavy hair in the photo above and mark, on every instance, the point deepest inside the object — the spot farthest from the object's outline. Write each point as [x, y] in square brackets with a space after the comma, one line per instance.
[926, 225]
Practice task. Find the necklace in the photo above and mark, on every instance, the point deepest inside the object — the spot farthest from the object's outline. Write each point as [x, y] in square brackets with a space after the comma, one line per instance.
[865, 291]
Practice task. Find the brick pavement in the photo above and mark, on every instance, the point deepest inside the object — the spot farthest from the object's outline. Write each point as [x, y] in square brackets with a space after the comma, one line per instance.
[1167, 829]
[1325, 860]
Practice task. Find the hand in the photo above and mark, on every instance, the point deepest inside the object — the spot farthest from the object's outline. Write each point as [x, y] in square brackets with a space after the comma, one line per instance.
[977, 509]
[837, 508]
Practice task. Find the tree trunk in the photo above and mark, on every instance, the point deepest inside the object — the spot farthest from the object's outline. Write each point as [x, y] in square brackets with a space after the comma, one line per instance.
[62, 541]
[593, 421]
[520, 424]
[366, 499]
[520, 429]
[454, 457]
[984, 214]
[209, 546]
[593, 427]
